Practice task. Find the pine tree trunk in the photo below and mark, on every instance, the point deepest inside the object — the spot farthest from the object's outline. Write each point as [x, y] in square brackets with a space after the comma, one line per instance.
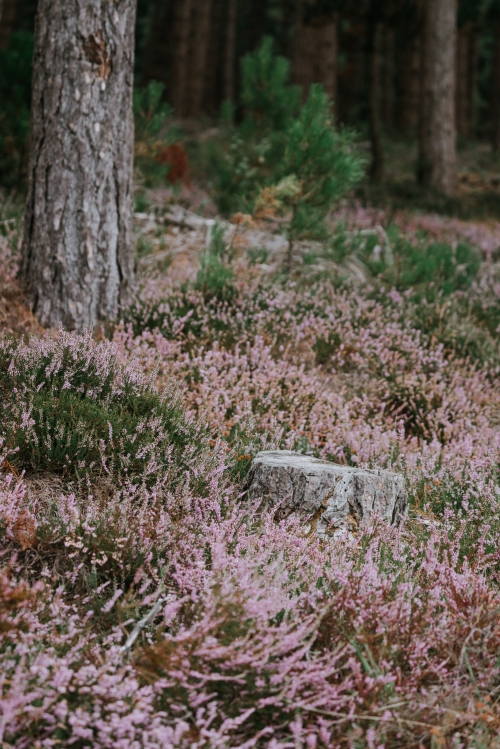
[257, 25]
[229, 85]
[467, 71]
[462, 87]
[437, 152]
[495, 95]
[213, 93]
[77, 258]
[315, 56]
[387, 54]
[410, 86]
[158, 57]
[304, 49]
[8, 11]
[329, 56]
[472, 78]
[199, 57]
[373, 57]
[180, 67]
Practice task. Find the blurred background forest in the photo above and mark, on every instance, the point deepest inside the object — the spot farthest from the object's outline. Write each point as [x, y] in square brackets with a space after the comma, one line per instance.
[368, 54]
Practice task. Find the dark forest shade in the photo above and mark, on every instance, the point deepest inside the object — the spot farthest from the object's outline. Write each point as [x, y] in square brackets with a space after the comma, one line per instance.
[77, 259]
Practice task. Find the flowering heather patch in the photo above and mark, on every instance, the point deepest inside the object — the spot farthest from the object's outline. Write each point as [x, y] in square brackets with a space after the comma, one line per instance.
[144, 603]
[69, 408]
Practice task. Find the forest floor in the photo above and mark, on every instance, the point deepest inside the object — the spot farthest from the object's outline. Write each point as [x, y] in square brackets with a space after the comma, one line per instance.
[142, 602]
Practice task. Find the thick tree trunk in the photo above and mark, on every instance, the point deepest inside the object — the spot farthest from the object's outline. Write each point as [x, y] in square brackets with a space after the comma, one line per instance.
[437, 154]
[495, 96]
[77, 259]
[373, 57]
[8, 11]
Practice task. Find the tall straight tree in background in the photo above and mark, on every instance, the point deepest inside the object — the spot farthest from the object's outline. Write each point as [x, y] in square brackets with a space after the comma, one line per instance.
[437, 152]
[77, 259]
[8, 9]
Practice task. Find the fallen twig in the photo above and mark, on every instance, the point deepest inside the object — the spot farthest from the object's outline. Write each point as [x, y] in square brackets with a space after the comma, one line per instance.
[141, 624]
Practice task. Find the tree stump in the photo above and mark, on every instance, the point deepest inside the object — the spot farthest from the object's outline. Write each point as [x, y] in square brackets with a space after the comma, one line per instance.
[336, 499]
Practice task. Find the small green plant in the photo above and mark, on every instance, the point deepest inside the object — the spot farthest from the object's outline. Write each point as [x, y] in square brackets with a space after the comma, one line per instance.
[216, 277]
[322, 162]
[284, 160]
[267, 98]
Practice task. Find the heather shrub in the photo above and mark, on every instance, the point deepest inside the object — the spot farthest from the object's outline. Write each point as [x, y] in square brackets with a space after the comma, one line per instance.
[69, 408]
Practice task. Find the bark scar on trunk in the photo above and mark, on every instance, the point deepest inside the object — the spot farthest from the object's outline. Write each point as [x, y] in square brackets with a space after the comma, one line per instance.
[96, 53]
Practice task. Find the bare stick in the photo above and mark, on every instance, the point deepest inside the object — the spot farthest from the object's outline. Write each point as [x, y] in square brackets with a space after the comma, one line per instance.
[140, 625]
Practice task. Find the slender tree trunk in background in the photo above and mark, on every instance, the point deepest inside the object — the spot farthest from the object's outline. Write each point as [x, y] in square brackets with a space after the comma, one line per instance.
[229, 84]
[373, 58]
[257, 25]
[410, 87]
[351, 76]
[495, 95]
[315, 56]
[158, 51]
[180, 66]
[213, 94]
[437, 153]
[472, 78]
[303, 53]
[199, 57]
[466, 71]
[77, 257]
[388, 52]
[8, 11]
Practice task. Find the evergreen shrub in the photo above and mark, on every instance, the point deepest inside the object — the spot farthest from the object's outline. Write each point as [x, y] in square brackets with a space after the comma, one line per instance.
[284, 160]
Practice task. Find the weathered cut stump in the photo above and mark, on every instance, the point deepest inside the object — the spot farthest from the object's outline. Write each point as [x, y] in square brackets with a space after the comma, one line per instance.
[337, 499]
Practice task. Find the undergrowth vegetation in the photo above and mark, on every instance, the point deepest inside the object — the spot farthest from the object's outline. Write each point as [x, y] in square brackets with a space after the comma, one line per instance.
[144, 602]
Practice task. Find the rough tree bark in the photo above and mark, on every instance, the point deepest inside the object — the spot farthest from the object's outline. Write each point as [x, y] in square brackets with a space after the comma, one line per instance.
[77, 259]
[437, 147]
